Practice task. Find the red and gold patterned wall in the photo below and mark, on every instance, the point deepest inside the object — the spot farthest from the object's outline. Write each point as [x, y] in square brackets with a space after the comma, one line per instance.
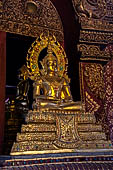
[93, 91]
[108, 79]
[95, 40]
[95, 48]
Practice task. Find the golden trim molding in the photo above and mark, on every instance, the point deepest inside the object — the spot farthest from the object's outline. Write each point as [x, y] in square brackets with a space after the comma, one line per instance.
[96, 37]
[93, 52]
[15, 18]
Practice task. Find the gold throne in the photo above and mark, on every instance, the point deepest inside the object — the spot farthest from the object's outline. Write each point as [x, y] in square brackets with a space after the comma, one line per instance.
[56, 123]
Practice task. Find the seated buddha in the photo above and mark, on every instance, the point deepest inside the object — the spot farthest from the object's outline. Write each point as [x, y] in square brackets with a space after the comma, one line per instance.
[52, 90]
[22, 89]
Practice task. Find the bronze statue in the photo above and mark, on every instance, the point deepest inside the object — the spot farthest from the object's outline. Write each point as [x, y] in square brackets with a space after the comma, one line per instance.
[50, 89]
[56, 123]
[22, 88]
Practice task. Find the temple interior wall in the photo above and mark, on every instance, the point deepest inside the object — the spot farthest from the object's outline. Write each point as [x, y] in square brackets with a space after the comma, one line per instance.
[86, 37]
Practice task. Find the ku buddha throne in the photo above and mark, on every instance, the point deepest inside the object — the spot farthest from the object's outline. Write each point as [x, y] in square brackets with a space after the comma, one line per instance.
[56, 123]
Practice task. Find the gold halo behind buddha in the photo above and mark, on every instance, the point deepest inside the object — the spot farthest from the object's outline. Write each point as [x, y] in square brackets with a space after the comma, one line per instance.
[54, 52]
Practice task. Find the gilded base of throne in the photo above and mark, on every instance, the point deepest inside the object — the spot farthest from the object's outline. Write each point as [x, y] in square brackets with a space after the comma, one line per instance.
[57, 131]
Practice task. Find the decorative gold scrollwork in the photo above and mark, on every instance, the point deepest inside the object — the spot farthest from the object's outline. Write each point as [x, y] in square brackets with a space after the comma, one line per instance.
[31, 19]
[90, 9]
[39, 45]
[93, 52]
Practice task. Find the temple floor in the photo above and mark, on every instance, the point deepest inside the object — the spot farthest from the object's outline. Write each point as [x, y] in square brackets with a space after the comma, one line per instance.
[101, 159]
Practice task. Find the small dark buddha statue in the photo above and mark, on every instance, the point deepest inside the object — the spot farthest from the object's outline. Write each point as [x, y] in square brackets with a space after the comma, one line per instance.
[22, 87]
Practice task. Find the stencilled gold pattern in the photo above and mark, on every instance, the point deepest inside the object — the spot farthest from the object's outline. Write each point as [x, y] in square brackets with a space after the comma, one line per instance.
[15, 18]
[94, 77]
[93, 92]
[92, 106]
[108, 75]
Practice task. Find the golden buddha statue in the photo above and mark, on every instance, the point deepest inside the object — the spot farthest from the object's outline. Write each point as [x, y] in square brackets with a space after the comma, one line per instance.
[50, 89]
[56, 123]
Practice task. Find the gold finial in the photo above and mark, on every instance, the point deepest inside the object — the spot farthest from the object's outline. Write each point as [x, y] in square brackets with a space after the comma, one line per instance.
[50, 55]
[49, 48]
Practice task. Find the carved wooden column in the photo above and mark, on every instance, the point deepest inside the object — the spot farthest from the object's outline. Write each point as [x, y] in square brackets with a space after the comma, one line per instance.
[2, 85]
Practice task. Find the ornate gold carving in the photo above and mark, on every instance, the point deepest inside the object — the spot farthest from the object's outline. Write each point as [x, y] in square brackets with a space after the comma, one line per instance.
[80, 8]
[95, 24]
[31, 6]
[33, 146]
[39, 45]
[67, 128]
[89, 136]
[86, 117]
[94, 14]
[92, 52]
[53, 122]
[16, 19]
[47, 136]
[35, 116]
[90, 9]
[96, 37]
[96, 144]
[89, 128]
[38, 128]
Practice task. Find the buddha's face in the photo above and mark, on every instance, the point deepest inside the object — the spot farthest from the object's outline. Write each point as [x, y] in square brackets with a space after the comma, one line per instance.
[51, 66]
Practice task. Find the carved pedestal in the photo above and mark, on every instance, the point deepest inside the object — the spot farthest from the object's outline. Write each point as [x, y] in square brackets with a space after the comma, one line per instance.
[55, 130]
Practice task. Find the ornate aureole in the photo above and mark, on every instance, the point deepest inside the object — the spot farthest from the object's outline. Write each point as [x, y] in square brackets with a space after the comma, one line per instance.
[34, 51]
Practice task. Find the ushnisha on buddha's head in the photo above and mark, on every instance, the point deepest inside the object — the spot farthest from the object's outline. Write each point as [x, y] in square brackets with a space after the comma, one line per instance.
[50, 63]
